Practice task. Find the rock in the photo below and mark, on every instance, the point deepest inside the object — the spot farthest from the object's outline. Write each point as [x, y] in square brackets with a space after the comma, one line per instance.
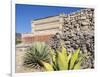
[78, 32]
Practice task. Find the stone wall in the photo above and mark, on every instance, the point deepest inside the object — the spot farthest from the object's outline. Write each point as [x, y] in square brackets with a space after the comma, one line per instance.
[78, 32]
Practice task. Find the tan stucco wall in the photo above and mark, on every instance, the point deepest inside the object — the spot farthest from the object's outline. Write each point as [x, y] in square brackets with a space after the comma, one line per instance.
[49, 25]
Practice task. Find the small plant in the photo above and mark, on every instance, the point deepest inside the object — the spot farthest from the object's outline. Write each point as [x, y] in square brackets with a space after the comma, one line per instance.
[18, 41]
[61, 60]
[38, 52]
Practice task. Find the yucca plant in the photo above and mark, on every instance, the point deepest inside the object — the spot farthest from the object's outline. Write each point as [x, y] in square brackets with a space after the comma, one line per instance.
[61, 60]
[39, 51]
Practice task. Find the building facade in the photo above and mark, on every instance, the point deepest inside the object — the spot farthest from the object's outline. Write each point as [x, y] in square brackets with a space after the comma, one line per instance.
[44, 28]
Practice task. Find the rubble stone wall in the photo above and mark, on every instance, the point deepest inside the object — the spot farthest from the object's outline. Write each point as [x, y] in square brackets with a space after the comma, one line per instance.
[78, 32]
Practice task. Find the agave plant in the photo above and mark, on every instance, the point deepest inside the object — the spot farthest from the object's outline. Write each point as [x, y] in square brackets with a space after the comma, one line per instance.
[39, 51]
[63, 60]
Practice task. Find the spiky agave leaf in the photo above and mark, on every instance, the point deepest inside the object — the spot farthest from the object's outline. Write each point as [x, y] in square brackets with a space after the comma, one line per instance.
[47, 66]
[74, 57]
[77, 66]
[68, 61]
[64, 52]
[53, 59]
[61, 61]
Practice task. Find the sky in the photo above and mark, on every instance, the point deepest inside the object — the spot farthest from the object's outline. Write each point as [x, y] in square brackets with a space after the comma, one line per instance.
[24, 14]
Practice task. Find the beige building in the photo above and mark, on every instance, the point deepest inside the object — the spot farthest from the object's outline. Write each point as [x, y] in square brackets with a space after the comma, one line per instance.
[43, 28]
[47, 25]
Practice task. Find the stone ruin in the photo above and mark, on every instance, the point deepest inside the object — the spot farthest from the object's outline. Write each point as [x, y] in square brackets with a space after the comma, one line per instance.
[77, 32]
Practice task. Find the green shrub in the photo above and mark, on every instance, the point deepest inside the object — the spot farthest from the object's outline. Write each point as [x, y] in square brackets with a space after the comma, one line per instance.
[38, 52]
[61, 60]
[18, 41]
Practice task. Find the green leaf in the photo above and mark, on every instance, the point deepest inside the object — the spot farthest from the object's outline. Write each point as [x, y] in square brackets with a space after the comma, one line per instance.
[61, 61]
[64, 50]
[74, 58]
[77, 66]
[68, 59]
[47, 66]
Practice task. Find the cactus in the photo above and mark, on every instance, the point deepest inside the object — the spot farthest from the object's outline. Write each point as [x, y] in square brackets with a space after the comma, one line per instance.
[63, 60]
[39, 51]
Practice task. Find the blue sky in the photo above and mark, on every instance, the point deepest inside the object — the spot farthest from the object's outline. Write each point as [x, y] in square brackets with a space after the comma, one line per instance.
[26, 13]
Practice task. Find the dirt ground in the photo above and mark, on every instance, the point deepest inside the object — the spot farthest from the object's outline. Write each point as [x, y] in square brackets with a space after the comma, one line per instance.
[19, 68]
